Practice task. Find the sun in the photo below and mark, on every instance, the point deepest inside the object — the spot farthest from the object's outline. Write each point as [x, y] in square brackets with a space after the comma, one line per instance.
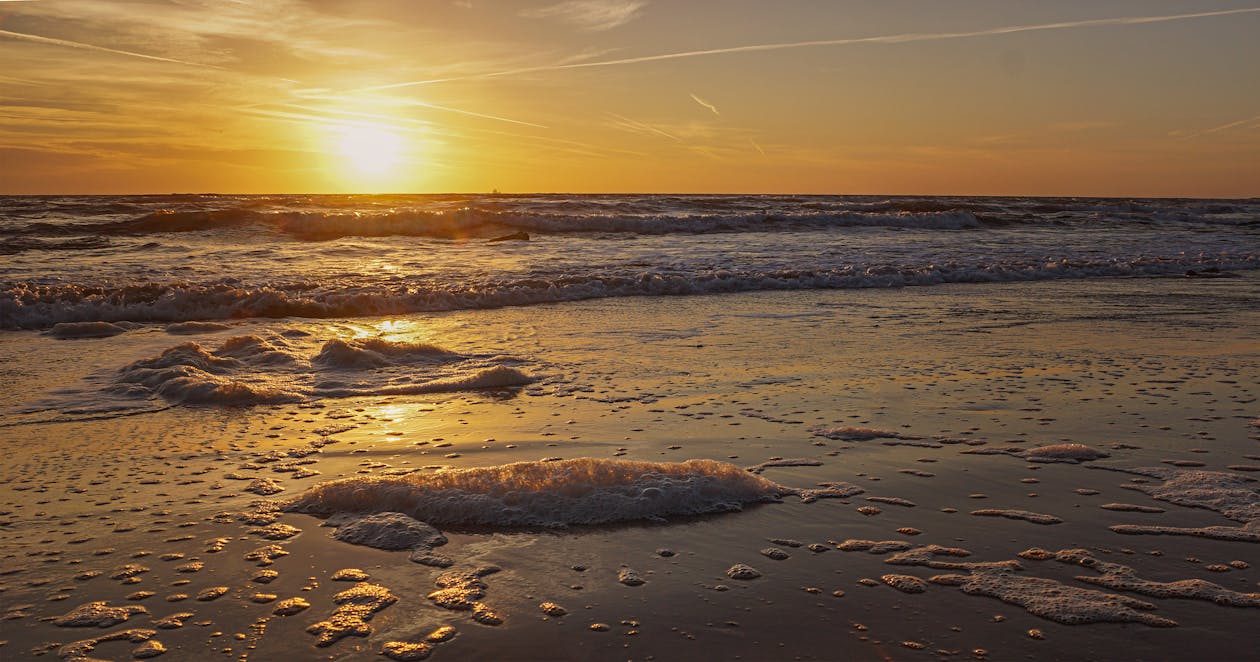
[369, 150]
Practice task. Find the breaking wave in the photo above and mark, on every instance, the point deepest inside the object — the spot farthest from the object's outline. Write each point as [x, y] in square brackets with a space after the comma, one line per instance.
[33, 306]
[469, 222]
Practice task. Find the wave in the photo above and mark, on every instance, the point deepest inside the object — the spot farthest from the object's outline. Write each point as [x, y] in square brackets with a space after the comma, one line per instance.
[36, 306]
[470, 222]
[446, 216]
[15, 245]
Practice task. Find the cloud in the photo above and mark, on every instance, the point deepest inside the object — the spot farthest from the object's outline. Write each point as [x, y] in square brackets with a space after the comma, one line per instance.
[706, 104]
[204, 30]
[22, 36]
[593, 15]
[901, 38]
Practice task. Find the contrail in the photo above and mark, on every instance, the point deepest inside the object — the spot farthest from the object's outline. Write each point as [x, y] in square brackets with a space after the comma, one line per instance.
[881, 39]
[635, 125]
[1231, 125]
[706, 104]
[423, 104]
[1217, 129]
[100, 49]
[470, 113]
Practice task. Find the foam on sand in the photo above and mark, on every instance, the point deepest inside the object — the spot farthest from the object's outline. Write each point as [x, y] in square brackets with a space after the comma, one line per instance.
[1027, 516]
[1232, 495]
[377, 353]
[97, 614]
[1235, 496]
[1062, 453]
[1054, 600]
[874, 546]
[193, 328]
[69, 330]
[392, 531]
[1068, 453]
[189, 373]
[79, 650]
[386, 531]
[497, 377]
[1042, 597]
[742, 571]
[783, 462]
[849, 433]
[1229, 533]
[905, 583]
[356, 606]
[560, 493]
[1124, 578]
[462, 591]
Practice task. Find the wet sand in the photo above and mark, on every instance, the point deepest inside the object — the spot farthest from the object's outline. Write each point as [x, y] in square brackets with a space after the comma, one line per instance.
[928, 400]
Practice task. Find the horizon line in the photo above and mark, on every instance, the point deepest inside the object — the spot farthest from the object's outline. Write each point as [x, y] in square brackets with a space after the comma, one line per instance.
[639, 193]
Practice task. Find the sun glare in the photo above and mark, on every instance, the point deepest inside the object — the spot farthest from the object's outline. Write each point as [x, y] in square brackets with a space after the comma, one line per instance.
[370, 150]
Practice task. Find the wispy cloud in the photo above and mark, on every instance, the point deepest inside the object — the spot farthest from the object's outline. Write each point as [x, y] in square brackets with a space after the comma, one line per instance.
[706, 104]
[901, 38]
[22, 36]
[594, 15]
[214, 30]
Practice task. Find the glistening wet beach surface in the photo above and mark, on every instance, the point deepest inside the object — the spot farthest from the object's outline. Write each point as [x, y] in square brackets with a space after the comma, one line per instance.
[947, 535]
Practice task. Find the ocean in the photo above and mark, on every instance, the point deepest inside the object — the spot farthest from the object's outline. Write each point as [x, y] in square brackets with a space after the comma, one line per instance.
[628, 427]
[221, 257]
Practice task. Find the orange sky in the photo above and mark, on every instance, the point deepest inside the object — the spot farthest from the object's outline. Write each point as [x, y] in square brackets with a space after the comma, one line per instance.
[1117, 97]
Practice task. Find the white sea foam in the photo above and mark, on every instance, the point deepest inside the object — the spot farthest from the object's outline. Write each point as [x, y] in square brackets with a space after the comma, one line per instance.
[190, 374]
[386, 531]
[376, 353]
[848, 433]
[464, 222]
[250, 370]
[192, 328]
[565, 492]
[1235, 496]
[1054, 600]
[369, 256]
[1062, 453]
[27, 304]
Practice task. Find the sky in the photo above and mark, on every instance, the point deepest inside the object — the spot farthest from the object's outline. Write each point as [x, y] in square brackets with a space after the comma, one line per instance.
[920, 97]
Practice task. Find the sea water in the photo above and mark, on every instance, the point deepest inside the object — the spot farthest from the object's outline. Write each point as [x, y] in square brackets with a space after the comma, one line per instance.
[216, 257]
[220, 409]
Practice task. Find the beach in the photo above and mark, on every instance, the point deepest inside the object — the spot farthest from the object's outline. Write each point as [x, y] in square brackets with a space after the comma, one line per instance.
[597, 330]
[917, 407]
